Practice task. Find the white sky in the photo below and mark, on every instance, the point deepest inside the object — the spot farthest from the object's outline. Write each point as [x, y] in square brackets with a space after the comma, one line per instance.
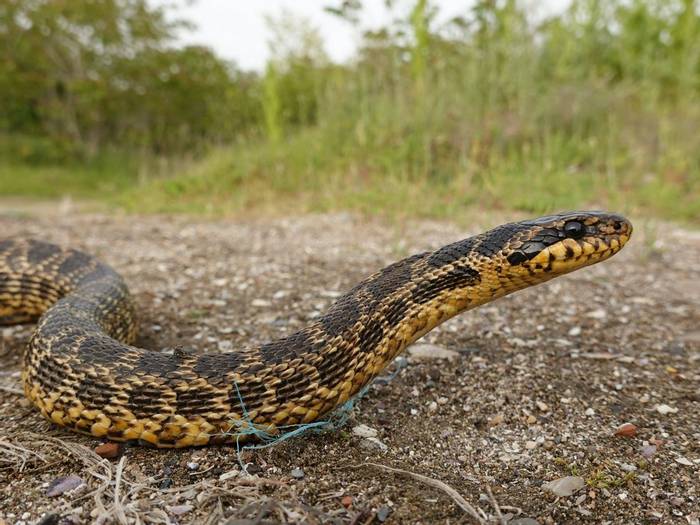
[236, 29]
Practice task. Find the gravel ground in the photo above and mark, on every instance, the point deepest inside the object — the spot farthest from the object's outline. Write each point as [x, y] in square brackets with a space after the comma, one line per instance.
[528, 390]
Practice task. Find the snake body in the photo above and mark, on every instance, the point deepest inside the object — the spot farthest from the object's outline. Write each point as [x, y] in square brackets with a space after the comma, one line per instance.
[82, 371]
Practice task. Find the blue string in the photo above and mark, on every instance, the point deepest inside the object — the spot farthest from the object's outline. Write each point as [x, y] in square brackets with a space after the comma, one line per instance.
[335, 420]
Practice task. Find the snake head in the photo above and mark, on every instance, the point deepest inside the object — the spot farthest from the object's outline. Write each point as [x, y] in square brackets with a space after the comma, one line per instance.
[562, 243]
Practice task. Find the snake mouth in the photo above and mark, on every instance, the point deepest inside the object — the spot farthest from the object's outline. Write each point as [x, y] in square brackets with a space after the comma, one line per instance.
[571, 241]
[601, 241]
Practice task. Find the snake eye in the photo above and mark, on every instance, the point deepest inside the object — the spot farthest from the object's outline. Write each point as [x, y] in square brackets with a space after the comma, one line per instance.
[574, 229]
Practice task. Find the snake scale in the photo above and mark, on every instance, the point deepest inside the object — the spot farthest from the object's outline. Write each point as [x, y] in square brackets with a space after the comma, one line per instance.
[82, 371]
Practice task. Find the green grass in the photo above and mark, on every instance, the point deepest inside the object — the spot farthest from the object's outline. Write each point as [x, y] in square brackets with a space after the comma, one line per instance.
[304, 173]
[100, 179]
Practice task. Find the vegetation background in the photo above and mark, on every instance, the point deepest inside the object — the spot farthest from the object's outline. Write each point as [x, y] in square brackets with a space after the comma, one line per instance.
[596, 106]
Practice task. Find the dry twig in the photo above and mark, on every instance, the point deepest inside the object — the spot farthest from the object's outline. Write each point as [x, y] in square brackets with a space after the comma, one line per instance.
[435, 483]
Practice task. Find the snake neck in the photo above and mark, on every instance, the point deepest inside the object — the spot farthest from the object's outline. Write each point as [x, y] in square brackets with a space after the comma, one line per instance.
[368, 327]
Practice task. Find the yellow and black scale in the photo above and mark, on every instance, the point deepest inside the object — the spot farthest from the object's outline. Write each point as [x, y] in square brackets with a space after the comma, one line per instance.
[82, 371]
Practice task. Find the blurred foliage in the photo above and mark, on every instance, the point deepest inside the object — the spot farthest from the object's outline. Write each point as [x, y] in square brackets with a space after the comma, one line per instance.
[597, 105]
[79, 76]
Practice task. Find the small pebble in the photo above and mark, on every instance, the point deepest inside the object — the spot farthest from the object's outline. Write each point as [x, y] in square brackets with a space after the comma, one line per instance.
[364, 431]
[529, 445]
[53, 519]
[61, 485]
[428, 351]
[496, 420]
[648, 451]
[253, 469]
[229, 475]
[664, 409]
[346, 501]
[373, 443]
[565, 486]
[192, 465]
[432, 406]
[297, 473]
[597, 314]
[626, 430]
[109, 450]
[383, 513]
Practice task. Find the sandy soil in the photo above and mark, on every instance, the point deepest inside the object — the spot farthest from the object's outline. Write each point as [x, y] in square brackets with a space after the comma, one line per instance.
[534, 390]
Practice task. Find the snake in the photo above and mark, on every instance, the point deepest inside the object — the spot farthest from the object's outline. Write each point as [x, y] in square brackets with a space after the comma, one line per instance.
[83, 372]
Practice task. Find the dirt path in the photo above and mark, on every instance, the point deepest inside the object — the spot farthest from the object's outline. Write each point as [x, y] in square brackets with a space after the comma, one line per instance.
[537, 385]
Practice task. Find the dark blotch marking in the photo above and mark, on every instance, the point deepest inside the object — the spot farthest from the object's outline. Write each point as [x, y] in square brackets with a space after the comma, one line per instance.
[144, 401]
[40, 251]
[288, 348]
[390, 278]
[94, 392]
[459, 277]
[334, 366]
[75, 262]
[193, 402]
[6, 244]
[492, 242]
[292, 388]
[248, 395]
[373, 332]
[211, 366]
[451, 253]
[104, 351]
[155, 363]
[342, 316]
